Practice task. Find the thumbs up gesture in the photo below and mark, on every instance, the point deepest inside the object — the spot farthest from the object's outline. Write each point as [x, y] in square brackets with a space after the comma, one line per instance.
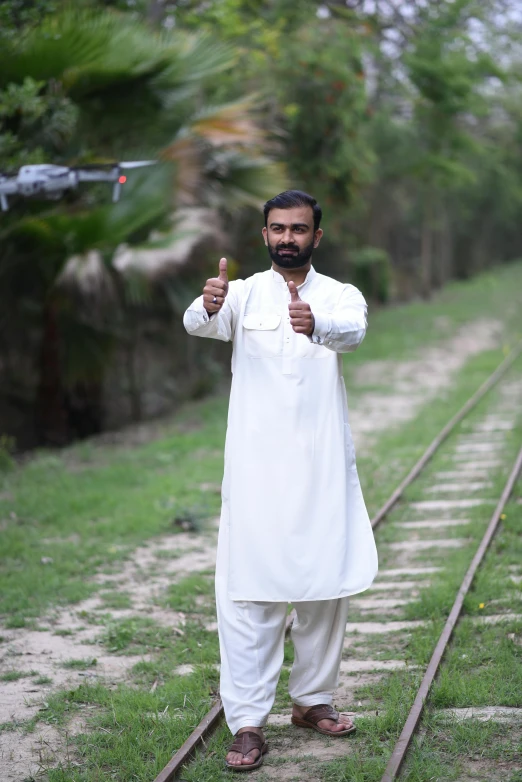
[301, 316]
[216, 289]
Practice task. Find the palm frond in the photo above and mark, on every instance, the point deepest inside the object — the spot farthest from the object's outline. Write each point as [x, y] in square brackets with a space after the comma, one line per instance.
[199, 58]
[86, 51]
[187, 154]
[236, 179]
[232, 124]
[87, 277]
[81, 49]
[160, 258]
[146, 205]
[56, 236]
[206, 145]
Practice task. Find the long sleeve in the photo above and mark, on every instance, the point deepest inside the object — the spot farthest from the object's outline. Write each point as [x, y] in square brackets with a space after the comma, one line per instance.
[222, 325]
[343, 329]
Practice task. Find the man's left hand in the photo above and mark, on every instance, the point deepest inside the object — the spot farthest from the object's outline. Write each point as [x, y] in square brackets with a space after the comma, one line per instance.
[301, 316]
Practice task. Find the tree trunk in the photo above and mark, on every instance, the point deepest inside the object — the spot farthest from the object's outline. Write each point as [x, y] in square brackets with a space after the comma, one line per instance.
[446, 246]
[155, 11]
[426, 249]
[132, 375]
[51, 416]
[84, 405]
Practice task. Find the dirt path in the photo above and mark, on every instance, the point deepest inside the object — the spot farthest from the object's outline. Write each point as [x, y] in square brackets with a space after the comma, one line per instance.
[378, 630]
[409, 385]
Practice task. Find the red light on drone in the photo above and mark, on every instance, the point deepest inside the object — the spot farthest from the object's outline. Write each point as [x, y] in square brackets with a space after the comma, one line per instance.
[122, 180]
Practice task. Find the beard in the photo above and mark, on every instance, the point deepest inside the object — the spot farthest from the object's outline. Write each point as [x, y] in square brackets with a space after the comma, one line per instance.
[295, 260]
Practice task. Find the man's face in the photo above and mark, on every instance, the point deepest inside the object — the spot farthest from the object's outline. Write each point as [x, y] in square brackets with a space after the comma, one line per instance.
[290, 236]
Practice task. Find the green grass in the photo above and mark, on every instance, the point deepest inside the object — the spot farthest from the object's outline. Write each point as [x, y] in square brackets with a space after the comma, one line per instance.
[482, 667]
[13, 676]
[135, 635]
[168, 554]
[112, 508]
[125, 734]
[193, 594]
[419, 324]
[89, 506]
[80, 665]
[393, 695]
[116, 599]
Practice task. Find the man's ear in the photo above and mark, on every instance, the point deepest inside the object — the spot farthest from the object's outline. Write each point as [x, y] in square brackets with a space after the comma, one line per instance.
[317, 237]
[265, 235]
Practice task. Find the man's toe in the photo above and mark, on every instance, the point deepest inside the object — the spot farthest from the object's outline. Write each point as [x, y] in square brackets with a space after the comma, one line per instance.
[327, 725]
[334, 727]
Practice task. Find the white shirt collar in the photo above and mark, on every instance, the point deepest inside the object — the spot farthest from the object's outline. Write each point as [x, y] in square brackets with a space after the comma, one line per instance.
[281, 280]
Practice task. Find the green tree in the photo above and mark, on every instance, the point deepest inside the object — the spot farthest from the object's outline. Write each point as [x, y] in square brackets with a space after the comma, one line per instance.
[309, 74]
[94, 87]
[447, 81]
[325, 117]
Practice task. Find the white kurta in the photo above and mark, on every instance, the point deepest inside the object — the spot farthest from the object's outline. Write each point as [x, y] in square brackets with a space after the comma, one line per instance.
[293, 520]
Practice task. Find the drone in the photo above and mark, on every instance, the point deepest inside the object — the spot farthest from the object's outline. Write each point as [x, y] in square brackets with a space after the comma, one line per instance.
[50, 182]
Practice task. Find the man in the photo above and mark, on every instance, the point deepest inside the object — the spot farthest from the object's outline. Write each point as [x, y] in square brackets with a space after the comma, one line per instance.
[294, 527]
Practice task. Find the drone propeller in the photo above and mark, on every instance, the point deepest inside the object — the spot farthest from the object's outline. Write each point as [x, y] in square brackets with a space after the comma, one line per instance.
[138, 163]
[98, 166]
[93, 166]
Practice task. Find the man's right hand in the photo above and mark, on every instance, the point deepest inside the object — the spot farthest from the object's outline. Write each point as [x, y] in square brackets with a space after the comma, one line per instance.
[216, 289]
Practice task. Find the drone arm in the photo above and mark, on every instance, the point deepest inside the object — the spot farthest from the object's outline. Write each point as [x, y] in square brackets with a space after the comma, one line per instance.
[96, 176]
[7, 187]
[116, 191]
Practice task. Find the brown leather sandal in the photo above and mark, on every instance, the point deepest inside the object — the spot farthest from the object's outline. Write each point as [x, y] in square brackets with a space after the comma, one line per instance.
[321, 712]
[245, 742]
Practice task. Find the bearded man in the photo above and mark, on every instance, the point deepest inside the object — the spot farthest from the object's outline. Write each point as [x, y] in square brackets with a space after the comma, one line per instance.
[294, 527]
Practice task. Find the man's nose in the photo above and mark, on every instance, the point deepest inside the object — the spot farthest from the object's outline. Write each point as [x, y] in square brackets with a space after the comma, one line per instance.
[287, 237]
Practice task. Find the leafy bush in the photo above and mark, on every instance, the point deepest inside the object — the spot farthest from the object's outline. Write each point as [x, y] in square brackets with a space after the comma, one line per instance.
[6, 448]
[371, 272]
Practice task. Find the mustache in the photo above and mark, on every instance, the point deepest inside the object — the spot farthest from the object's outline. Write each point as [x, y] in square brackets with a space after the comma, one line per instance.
[294, 259]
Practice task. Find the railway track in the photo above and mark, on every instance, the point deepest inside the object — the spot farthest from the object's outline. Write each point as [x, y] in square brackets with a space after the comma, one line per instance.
[398, 754]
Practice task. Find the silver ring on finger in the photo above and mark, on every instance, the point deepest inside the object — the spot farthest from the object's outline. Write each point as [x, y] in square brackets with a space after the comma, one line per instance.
[214, 300]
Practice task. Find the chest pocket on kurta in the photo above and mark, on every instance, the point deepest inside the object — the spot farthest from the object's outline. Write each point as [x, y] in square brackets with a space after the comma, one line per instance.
[262, 335]
[307, 349]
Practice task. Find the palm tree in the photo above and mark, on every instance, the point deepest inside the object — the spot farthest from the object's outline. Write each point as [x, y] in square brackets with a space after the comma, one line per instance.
[102, 87]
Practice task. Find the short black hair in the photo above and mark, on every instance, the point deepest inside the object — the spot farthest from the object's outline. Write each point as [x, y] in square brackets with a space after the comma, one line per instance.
[291, 198]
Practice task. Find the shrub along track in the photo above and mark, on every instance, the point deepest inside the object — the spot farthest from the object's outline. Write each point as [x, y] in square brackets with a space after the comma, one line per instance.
[496, 429]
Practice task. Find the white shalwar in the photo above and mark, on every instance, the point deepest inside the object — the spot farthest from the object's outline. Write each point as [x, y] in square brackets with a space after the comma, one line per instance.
[294, 527]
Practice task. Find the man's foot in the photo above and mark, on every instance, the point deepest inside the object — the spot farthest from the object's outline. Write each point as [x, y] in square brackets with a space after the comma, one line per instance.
[234, 758]
[338, 723]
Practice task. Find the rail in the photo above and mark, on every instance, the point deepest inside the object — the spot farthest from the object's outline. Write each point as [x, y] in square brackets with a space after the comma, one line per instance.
[214, 715]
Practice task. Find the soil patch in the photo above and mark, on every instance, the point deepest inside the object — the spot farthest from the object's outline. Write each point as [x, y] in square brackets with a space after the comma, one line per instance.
[411, 384]
[146, 575]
